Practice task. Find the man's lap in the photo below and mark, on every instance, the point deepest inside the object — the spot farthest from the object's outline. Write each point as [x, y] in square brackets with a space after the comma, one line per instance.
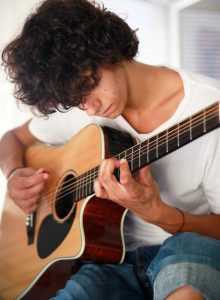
[102, 282]
[148, 268]
[186, 259]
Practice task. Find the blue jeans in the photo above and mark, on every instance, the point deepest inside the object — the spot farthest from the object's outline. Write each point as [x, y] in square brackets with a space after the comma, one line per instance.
[152, 272]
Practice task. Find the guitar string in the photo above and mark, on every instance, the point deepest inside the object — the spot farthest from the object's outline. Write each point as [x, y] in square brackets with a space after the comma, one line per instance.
[69, 187]
[93, 175]
[183, 132]
[82, 179]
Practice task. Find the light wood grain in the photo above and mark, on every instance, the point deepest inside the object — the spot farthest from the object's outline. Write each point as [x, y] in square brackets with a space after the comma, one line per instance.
[20, 263]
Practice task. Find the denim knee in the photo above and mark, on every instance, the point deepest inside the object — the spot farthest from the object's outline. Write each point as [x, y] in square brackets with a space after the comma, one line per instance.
[194, 244]
[202, 278]
[186, 247]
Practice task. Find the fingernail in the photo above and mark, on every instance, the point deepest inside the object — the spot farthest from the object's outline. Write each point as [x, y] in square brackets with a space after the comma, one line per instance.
[41, 170]
[45, 175]
[123, 160]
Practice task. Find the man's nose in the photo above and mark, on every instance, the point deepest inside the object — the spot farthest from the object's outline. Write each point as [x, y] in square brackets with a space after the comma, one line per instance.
[92, 106]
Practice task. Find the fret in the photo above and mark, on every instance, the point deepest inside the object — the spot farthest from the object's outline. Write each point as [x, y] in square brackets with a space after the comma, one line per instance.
[152, 148]
[139, 155]
[162, 144]
[90, 188]
[212, 118]
[172, 141]
[132, 159]
[136, 163]
[136, 157]
[167, 140]
[86, 181]
[94, 176]
[85, 189]
[77, 190]
[178, 135]
[143, 154]
[128, 154]
[137, 151]
[157, 153]
[204, 121]
[198, 125]
[184, 132]
[80, 189]
[84, 185]
[119, 157]
[80, 192]
[190, 129]
[148, 149]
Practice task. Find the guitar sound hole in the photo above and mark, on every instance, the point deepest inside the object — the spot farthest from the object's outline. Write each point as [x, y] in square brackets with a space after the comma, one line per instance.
[65, 198]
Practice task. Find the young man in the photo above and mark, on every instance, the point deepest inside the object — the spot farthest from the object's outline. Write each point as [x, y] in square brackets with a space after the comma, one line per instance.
[75, 56]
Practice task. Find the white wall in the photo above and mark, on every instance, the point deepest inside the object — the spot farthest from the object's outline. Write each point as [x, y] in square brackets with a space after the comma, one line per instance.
[12, 14]
[150, 19]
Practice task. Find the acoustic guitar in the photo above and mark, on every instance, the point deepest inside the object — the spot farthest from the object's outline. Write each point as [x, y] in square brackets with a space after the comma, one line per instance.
[39, 252]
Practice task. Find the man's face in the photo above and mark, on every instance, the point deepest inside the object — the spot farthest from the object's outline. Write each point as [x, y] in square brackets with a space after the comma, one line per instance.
[108, 98]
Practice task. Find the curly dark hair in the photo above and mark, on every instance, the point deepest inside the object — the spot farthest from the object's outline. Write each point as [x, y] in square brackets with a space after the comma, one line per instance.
[54, 62]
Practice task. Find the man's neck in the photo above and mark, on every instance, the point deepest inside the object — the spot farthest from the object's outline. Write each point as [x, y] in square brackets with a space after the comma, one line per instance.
[152, 91]
[148, 85]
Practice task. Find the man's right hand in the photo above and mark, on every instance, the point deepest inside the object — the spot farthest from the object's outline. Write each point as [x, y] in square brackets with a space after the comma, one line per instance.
[25, 186]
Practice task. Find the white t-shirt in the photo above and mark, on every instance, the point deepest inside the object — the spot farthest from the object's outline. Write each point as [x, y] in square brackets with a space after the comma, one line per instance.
[189, 178]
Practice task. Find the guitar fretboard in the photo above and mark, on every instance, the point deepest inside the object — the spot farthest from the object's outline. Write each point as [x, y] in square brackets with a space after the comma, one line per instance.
[157, 146]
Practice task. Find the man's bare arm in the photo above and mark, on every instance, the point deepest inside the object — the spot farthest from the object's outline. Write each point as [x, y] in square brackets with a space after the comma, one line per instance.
[12, 148]
[24, 184]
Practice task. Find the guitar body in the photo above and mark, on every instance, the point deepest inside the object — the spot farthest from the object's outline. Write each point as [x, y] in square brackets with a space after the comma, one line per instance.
[34, 266]
[38, 254]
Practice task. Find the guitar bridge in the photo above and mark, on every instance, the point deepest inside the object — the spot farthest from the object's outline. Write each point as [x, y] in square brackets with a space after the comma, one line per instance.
[30, 227]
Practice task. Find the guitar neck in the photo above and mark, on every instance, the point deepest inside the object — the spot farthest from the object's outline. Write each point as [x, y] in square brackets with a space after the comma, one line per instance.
[160, 145]
[173, 138]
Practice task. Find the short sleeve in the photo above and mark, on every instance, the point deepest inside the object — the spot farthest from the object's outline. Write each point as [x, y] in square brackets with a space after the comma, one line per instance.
[59, 127]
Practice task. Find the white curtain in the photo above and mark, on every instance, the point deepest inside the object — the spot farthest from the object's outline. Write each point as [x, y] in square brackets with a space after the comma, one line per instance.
[200, 41]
